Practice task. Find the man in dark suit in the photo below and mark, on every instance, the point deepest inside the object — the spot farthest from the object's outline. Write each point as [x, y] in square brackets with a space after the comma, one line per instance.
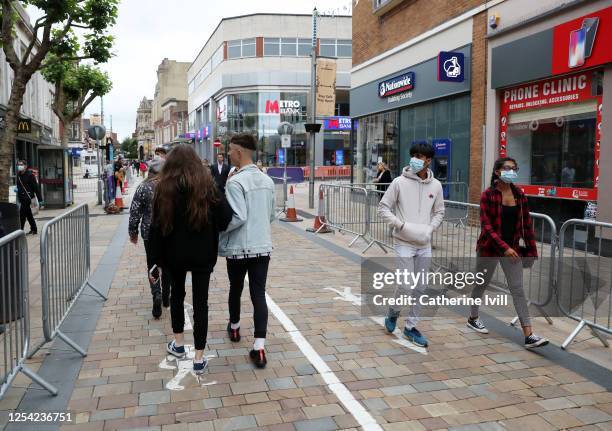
[220, 171]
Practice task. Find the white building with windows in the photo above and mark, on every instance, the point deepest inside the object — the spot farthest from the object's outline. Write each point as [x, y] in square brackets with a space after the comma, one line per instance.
[254, 72]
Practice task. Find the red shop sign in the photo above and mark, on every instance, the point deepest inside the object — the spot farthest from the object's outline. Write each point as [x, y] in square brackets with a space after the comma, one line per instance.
[550, 92]
[583, 42]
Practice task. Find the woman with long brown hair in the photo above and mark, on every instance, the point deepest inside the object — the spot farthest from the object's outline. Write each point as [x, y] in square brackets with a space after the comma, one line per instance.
[188, 213]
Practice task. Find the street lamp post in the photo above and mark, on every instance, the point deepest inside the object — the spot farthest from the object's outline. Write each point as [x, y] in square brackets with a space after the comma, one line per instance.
[313, 108]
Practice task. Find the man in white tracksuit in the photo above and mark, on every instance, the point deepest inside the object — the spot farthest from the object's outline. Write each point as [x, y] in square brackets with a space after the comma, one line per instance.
[413, 206]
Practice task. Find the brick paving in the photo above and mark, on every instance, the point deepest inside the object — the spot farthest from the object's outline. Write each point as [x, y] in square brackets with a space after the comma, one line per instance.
[465, 382]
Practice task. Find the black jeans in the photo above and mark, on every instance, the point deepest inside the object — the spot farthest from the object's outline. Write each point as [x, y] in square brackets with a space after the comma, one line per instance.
[200, 281]
[25, 212]
[257, 268]
[165, 281]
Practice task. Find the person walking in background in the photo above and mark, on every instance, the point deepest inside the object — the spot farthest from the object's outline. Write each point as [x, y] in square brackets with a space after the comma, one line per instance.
[27, 190]
[383, 177]
[247, 241]
[188, 213]
[220, 172]
[506, 237]
[140, 214]
[414, 206]
[143, 168]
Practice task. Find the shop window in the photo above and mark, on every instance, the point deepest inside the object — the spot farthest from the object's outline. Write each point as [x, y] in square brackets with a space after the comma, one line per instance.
[554, 146]
[377, 139]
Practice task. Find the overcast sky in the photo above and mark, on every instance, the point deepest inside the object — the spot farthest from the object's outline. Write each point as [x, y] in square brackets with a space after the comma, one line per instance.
[149, 30]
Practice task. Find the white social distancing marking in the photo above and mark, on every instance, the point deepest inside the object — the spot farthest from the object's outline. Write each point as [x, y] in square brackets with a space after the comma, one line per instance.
[183, 366]
[355, 299]
[361, 415]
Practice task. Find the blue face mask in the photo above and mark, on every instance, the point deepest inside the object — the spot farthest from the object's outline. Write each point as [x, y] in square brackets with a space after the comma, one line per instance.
[508, 176]
[416, 165]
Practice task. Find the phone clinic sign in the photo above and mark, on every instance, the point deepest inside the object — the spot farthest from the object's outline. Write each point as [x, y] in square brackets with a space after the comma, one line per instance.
[395, 85]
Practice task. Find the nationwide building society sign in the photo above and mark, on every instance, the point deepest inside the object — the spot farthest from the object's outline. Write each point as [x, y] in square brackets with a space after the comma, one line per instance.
[396, 85]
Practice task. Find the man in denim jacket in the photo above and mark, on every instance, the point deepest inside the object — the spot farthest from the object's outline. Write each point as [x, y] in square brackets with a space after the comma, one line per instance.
[247, 241]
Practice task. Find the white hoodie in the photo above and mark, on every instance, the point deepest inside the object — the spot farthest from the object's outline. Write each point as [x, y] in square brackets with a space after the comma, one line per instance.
[416, 204]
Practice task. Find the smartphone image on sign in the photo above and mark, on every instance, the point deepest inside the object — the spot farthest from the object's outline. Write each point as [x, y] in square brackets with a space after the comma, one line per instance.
[590, 25]
[577, 47]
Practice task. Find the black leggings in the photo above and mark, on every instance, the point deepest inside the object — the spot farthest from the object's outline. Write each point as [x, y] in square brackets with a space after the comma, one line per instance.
[200, 281]
[257, 268]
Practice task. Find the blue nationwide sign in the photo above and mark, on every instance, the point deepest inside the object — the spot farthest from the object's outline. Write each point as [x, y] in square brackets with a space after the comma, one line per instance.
[397, 84]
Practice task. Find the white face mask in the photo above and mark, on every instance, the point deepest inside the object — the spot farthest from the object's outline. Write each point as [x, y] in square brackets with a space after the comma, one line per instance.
[20, 168]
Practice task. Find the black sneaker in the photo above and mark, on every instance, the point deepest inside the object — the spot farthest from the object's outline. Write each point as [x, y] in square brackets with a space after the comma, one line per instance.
[175, 350]
[157, 303]
[259, 358]
[234, 334]
[166, 299]
[32, 232]
[534, 341]
[477, 325]
[200, 367]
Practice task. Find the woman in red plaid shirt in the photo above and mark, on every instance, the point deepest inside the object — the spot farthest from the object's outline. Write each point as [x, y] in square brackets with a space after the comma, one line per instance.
[506, 237]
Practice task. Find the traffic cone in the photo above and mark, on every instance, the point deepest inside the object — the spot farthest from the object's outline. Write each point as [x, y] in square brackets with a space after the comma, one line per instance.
[320, 226]
[123, 189]
[118, 197]
[291, 214]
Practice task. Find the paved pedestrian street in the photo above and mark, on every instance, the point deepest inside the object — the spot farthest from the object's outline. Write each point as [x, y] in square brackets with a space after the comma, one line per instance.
[328, 368]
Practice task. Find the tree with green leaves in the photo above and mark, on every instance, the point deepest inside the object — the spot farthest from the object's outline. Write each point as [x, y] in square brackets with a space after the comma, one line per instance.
[76, 86]
[129, 146]
[55, 32]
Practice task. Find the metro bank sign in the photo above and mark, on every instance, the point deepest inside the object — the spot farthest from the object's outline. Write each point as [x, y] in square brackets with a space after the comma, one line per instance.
[288, 107]
[397, 84]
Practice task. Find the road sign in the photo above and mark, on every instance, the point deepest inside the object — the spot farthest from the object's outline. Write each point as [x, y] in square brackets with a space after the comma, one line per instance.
[286, 141]
[96, 132]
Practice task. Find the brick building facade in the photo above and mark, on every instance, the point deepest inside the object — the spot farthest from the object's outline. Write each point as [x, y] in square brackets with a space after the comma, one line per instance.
[396, 37]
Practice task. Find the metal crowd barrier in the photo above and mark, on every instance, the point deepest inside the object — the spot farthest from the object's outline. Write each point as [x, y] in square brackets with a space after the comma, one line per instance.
[587, 266]
[65, 270]
[345, 209]
[15, 309]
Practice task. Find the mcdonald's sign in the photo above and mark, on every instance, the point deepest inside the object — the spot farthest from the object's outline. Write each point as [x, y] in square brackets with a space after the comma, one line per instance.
[24, 126]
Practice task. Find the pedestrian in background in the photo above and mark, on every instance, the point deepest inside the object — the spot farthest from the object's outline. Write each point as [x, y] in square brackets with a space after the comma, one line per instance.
[220, 172]
[383, 178]
[414, 206]
[506, 237]
[188, 213]
[140, 214]
[143, 168]
[247, 242]
[27, 191]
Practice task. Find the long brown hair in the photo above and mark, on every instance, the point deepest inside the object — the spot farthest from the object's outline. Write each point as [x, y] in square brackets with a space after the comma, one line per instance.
[183, 173]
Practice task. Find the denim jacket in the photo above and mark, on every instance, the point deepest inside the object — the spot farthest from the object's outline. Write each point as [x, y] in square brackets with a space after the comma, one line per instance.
[250, 193]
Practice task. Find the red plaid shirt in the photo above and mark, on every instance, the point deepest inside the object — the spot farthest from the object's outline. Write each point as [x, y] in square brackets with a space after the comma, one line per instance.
[490, 243]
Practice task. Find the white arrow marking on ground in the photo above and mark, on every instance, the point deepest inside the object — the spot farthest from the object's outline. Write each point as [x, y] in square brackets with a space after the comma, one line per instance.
[348, 296]
[183, 366]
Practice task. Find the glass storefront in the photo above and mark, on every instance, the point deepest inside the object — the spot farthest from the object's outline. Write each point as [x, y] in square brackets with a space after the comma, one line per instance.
[555, 146]
[260, 113]
[377, 139]
[389, 136]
